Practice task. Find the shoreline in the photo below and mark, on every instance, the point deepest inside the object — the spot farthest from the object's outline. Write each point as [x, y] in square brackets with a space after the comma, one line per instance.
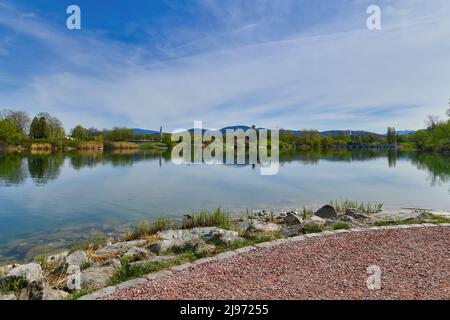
[161, 246]
[114, 231]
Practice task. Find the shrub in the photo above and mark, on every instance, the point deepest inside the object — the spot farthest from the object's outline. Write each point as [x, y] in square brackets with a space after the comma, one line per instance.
[341, 225]
[313, 228]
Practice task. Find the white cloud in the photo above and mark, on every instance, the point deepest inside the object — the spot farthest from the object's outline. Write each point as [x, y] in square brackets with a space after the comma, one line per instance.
[352, 79]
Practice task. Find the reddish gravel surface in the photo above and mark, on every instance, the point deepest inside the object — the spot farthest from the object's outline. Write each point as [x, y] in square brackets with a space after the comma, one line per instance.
[415, 264]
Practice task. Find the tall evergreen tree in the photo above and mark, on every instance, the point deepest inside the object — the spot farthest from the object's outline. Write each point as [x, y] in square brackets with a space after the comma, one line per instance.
[44, 129]
[34, 128]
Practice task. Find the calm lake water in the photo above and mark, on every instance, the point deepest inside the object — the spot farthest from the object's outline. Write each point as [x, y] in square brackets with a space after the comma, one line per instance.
[53, 200]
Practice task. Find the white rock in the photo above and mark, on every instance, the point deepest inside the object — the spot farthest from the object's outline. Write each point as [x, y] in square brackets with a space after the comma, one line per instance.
[31, 272]
[119, 246]
[8, 296]
[96, 277]
[78, 258]
[265, 227]
[52, 294]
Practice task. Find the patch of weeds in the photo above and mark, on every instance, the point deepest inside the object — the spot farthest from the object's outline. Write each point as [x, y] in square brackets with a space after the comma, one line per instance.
[249, 240]
[341, 206]
[340, 225]
[85, 265]
[96, 242]
[433, 218]
[423, 218]
[313, 228]
[128, 271]
[149, 228]
[14, 285]
[206, 219]
[77, 294]
[307, 213]
[187, 253]
[271, 216]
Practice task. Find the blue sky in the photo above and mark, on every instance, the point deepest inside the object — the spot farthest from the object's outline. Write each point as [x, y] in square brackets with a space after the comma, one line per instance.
[274, 63]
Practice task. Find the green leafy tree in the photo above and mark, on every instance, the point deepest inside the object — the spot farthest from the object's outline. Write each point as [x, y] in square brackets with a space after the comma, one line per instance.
[10, 133]
[43, 129]
[19, 118]
[80, 133]
[54, 125]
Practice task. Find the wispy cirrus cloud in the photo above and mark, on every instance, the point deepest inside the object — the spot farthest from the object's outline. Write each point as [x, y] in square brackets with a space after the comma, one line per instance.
[243, 62]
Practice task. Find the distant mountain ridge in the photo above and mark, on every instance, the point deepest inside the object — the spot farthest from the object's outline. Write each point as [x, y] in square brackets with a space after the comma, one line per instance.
[144, 131]
[296, 133]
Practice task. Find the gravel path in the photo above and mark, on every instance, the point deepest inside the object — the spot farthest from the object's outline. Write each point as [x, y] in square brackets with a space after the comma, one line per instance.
[415, 264]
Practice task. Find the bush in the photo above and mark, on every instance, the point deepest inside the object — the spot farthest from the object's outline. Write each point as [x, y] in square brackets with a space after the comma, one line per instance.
[313, 228]
[341, 225]
[206, 219]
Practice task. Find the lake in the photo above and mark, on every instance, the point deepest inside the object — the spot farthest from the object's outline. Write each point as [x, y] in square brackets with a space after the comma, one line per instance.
[53, 200]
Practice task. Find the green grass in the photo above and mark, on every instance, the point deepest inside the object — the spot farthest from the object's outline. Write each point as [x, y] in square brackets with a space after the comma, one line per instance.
[313, 228]
[307, 213]
[247, 241]
[203, 218]
[341, 225]
[78, 294]
[149, 228]
[13, 285]
[94, 243]
[341, 206]
[152, 145]
[206, 219]
[424, 218]
[128, 271]
[437, 219]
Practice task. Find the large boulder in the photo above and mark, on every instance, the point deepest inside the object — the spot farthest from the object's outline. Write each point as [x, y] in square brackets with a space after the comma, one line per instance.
[326, 212]
[33, 291]
[121, 246]
[78, 258]
[356, 214]
[166, 245]
[53, 294]
[58, 257]
[264, 227]
[155, 259]
[316, 220]
[200, 247]
[96, 277]
[31, 273]
[292, 219]
[292, 231]
[205, 233]
[210, 234]
[136, 253]
[8, 296]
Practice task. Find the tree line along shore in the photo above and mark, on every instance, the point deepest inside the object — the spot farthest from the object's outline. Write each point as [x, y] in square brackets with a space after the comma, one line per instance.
[46, 132]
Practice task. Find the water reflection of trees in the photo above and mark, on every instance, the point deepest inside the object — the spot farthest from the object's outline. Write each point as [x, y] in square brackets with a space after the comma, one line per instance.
[118, 158]
[312, 157]
[15, 168]
[438, 166]
[12, 169]
[44, 167]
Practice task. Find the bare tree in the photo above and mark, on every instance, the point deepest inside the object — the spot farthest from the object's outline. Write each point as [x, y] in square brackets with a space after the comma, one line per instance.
[448, 110]
[432, 122]
[20, 118]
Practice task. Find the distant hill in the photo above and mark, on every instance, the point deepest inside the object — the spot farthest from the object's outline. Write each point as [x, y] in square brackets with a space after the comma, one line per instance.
[357, 133]
[405, 132]
[144, 132]
[295, 133]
